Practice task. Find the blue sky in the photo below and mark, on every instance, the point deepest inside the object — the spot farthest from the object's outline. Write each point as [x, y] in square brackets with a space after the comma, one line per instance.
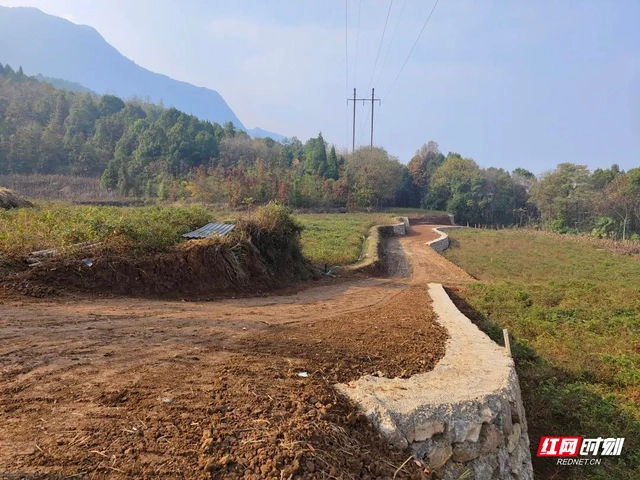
[511, 83]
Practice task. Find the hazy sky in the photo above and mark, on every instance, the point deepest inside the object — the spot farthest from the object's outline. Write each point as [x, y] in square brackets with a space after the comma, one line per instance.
[509, 83]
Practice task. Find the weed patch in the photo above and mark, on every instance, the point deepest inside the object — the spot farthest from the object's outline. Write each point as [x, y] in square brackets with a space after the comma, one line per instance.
[58, 225]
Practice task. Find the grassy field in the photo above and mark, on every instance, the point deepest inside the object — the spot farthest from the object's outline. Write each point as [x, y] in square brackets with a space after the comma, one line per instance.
[574, 312]
[327, 238]
[337, 238]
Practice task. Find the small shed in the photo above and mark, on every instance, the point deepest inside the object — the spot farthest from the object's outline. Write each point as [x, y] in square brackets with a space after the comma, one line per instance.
[210, 230]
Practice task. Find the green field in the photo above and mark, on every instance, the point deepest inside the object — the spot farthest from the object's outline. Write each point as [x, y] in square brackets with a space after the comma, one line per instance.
[337, 238]
[574, 312]
[326, 238]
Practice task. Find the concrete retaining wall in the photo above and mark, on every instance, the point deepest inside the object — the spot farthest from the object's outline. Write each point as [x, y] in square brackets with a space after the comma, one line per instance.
[441, 243]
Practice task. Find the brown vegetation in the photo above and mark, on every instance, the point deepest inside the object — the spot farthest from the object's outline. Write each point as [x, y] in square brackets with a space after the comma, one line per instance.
[59, 187]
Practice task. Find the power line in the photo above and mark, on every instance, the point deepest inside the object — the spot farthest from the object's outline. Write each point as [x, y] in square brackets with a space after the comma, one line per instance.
[384, 30]
[355, 68]
[393, 37]
[412, 48]
[346, 58]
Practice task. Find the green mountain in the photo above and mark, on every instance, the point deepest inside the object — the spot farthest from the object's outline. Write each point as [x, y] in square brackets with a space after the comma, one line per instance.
[59, 49]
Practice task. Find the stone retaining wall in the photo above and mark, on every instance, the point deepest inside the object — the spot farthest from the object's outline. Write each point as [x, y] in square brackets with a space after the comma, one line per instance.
[374, 249]
[394, 230]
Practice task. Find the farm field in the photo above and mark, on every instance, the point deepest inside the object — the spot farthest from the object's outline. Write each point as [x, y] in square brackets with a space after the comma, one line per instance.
[97, 387]
[573, 310]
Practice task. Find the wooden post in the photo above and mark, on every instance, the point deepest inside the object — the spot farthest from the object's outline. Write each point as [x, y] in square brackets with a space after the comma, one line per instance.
[507, 343]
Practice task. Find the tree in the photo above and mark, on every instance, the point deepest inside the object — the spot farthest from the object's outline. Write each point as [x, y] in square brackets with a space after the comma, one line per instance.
[564, 197]
[110, 105]
[333, 165]
[620, 198]
[455, 175]
[109, 178]
[601, 178]
[373, 175]
[315, 156]
[422, 166]
[230, 130]
[407, 194]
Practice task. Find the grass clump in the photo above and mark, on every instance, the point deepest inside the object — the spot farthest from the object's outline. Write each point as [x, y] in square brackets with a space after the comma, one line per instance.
[574, 312]
[276, 235]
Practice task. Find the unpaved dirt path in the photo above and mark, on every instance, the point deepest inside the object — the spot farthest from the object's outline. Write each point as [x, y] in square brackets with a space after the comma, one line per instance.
[429, 266]
[136, 388]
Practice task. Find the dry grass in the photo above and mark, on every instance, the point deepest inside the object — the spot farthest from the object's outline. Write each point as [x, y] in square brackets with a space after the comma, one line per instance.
[58, 187]
[619, 246]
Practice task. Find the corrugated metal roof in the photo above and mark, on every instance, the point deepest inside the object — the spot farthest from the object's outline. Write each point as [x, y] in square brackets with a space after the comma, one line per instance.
[211, 229]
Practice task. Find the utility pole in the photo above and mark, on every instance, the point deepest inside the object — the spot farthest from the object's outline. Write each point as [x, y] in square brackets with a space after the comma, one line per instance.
[353, 145]
[373, 99]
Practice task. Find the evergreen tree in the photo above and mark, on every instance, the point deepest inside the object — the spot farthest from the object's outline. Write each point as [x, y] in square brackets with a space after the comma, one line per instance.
[109, 179]
[332, 164]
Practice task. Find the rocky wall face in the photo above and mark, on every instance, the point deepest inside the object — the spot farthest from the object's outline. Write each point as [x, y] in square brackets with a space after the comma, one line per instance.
[442, 243]
[484, 438]
[396, 230]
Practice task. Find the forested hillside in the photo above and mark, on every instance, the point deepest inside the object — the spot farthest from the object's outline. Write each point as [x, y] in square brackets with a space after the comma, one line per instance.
[145, 150]
[141, 149]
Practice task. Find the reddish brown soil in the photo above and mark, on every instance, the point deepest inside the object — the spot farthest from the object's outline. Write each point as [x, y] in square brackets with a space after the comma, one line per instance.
[138, 388]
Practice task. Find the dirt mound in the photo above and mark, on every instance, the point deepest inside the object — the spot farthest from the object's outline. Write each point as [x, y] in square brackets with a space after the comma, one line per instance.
[9, 200]
[261, 254]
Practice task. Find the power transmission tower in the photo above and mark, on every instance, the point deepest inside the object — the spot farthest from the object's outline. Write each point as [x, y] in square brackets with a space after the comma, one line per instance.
[373, 99]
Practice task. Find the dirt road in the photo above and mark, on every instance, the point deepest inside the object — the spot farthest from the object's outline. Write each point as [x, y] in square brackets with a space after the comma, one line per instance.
[135, 388]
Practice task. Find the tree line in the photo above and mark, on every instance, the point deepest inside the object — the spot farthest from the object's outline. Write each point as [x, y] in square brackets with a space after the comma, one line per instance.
[568, 199]
[144, 150]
